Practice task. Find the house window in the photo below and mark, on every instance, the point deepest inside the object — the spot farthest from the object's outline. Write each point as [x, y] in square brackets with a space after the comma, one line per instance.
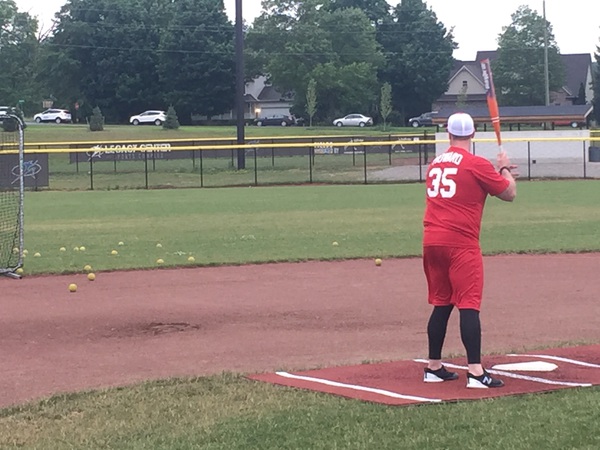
[465, 84]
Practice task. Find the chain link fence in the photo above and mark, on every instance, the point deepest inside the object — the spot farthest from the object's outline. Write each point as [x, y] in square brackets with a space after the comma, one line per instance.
[287, 161]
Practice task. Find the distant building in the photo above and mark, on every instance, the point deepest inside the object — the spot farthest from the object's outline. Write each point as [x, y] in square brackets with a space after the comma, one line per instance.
[261, 99]
[465, 85]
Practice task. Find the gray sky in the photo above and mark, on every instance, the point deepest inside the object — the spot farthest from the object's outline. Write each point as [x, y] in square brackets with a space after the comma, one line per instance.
[576, 23]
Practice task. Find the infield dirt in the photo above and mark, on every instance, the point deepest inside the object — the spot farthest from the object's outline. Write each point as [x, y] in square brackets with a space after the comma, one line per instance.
[128, 327]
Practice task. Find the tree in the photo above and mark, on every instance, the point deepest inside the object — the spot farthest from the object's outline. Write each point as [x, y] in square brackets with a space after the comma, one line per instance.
[294, 41]
[418, 51]
[127, 56]
[376, 10]
[386, 102]
[172, 122]
[311, 100]
[10, 124]
[96, 122]
[519, 69]
[104, 53]
[345, 89]
[18, 53]
[197, 59]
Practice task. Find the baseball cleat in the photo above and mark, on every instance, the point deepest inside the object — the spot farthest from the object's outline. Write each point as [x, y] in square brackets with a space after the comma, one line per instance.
[438, 376]
[483, 381]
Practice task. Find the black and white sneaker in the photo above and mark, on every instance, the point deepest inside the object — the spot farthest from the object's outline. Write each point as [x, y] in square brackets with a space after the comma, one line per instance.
[438, 376]
[483, 381]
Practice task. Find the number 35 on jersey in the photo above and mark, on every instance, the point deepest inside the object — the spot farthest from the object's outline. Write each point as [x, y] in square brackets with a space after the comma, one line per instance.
[442, 182]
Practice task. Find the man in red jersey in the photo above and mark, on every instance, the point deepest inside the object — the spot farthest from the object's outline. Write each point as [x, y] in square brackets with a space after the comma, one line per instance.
[458, 184]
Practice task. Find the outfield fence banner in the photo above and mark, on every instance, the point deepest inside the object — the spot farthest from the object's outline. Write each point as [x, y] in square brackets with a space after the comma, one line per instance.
[291, 160]
[35, 170]
[138, 151]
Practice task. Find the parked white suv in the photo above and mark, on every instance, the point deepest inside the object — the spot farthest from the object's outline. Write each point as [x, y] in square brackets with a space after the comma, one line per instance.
[53, 115]
[153, 116]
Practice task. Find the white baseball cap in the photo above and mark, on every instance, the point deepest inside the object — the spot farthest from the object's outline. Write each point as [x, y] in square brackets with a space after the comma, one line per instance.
[461, 124]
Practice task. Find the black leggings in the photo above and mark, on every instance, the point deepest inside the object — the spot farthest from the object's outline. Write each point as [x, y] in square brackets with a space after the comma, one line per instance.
[470, 332]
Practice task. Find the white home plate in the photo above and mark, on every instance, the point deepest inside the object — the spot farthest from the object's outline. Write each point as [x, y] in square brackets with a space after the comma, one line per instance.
[530, 366]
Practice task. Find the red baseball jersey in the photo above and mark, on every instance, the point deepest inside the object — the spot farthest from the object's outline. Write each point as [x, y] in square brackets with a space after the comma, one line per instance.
[458, 183]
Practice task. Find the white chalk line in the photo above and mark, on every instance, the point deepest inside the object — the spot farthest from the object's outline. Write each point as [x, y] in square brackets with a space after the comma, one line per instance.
[358, 388]
[558, 358]
[517, 376]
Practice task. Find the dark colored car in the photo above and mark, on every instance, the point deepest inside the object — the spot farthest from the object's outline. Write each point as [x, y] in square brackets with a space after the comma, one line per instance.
[278, 120]
[424, 120]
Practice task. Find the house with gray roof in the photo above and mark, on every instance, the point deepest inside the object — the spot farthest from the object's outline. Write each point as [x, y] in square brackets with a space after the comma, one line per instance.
[261, 99]
[465, 85]
[575, 116]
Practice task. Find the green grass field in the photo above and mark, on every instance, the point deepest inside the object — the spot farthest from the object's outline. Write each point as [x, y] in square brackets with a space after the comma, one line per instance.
[213, 172]
[243, 225]
[266, 224]
[39, 133]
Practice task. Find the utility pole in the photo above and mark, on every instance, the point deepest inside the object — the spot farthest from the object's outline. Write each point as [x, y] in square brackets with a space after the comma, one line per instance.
[546, 71]
[239, 83]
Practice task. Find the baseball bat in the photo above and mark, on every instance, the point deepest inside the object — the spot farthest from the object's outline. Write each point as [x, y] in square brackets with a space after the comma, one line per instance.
[492, 102]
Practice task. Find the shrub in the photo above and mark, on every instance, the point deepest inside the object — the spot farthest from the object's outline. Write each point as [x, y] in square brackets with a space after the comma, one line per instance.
[172, 122]
[10, 125]
[96, 122]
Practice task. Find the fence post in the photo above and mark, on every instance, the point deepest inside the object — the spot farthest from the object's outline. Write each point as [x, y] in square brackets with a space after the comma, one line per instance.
[146, 166]
[529, 160]
[201, 169]
[310, 163]
[365, 161]
[255, 168]
[91, 174]
[584, 165]
[420, 163]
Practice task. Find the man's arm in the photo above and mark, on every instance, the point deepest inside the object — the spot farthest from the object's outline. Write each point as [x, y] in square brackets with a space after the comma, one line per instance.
[504, 168]
[509, 194]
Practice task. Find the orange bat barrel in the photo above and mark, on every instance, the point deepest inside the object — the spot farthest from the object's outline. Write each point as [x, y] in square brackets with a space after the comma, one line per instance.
[492, 102]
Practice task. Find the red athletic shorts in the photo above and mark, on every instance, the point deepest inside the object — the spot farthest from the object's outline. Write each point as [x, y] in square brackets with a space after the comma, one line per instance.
[454, 276]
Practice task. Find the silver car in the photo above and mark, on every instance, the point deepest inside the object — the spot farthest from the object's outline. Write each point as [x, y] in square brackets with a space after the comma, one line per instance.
[353, 120]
